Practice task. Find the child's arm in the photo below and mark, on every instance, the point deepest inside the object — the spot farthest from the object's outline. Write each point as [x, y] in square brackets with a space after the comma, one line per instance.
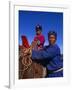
[42, 40]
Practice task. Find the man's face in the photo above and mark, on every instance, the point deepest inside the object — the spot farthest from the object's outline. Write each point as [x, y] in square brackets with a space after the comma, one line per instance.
[38, 32]
[52, 39]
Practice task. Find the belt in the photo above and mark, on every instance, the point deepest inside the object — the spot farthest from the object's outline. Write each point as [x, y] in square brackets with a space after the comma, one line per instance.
[58, 70]
[54, 71]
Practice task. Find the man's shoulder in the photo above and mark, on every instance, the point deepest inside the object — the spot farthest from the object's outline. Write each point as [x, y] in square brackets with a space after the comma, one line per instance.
[56, 46]
[53, 46]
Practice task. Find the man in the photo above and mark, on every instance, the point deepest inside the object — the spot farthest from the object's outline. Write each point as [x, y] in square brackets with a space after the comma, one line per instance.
[50, 57]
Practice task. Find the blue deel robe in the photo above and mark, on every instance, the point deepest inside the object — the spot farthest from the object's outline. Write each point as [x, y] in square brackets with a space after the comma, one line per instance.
[50, 57]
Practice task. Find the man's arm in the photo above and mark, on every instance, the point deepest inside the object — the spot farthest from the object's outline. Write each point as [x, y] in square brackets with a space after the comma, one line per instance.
[45, 54]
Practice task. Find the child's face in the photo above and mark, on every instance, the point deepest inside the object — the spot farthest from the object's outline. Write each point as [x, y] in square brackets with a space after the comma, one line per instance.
[38, 32]
[52, 39]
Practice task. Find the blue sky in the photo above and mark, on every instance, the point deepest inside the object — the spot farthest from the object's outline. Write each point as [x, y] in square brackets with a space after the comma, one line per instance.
[49, 21]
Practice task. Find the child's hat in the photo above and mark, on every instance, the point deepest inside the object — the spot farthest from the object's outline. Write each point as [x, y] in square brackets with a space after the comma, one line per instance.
[38, 27]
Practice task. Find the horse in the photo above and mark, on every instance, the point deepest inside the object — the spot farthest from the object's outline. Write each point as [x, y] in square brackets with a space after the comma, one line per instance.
[29, 69]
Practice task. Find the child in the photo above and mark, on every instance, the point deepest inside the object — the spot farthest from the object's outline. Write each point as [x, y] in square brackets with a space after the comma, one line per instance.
[39, 38]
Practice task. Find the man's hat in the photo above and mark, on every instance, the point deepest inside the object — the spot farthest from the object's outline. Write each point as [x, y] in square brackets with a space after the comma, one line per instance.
[52, 33]
[39, 27]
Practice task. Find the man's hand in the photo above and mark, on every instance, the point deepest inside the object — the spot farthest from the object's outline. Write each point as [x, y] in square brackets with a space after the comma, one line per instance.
[26, 52]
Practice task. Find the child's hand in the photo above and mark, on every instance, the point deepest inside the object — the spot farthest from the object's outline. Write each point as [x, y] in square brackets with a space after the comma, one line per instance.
[38, 42]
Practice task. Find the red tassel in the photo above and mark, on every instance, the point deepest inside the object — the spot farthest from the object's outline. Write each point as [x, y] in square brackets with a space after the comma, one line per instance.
[25, 41]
